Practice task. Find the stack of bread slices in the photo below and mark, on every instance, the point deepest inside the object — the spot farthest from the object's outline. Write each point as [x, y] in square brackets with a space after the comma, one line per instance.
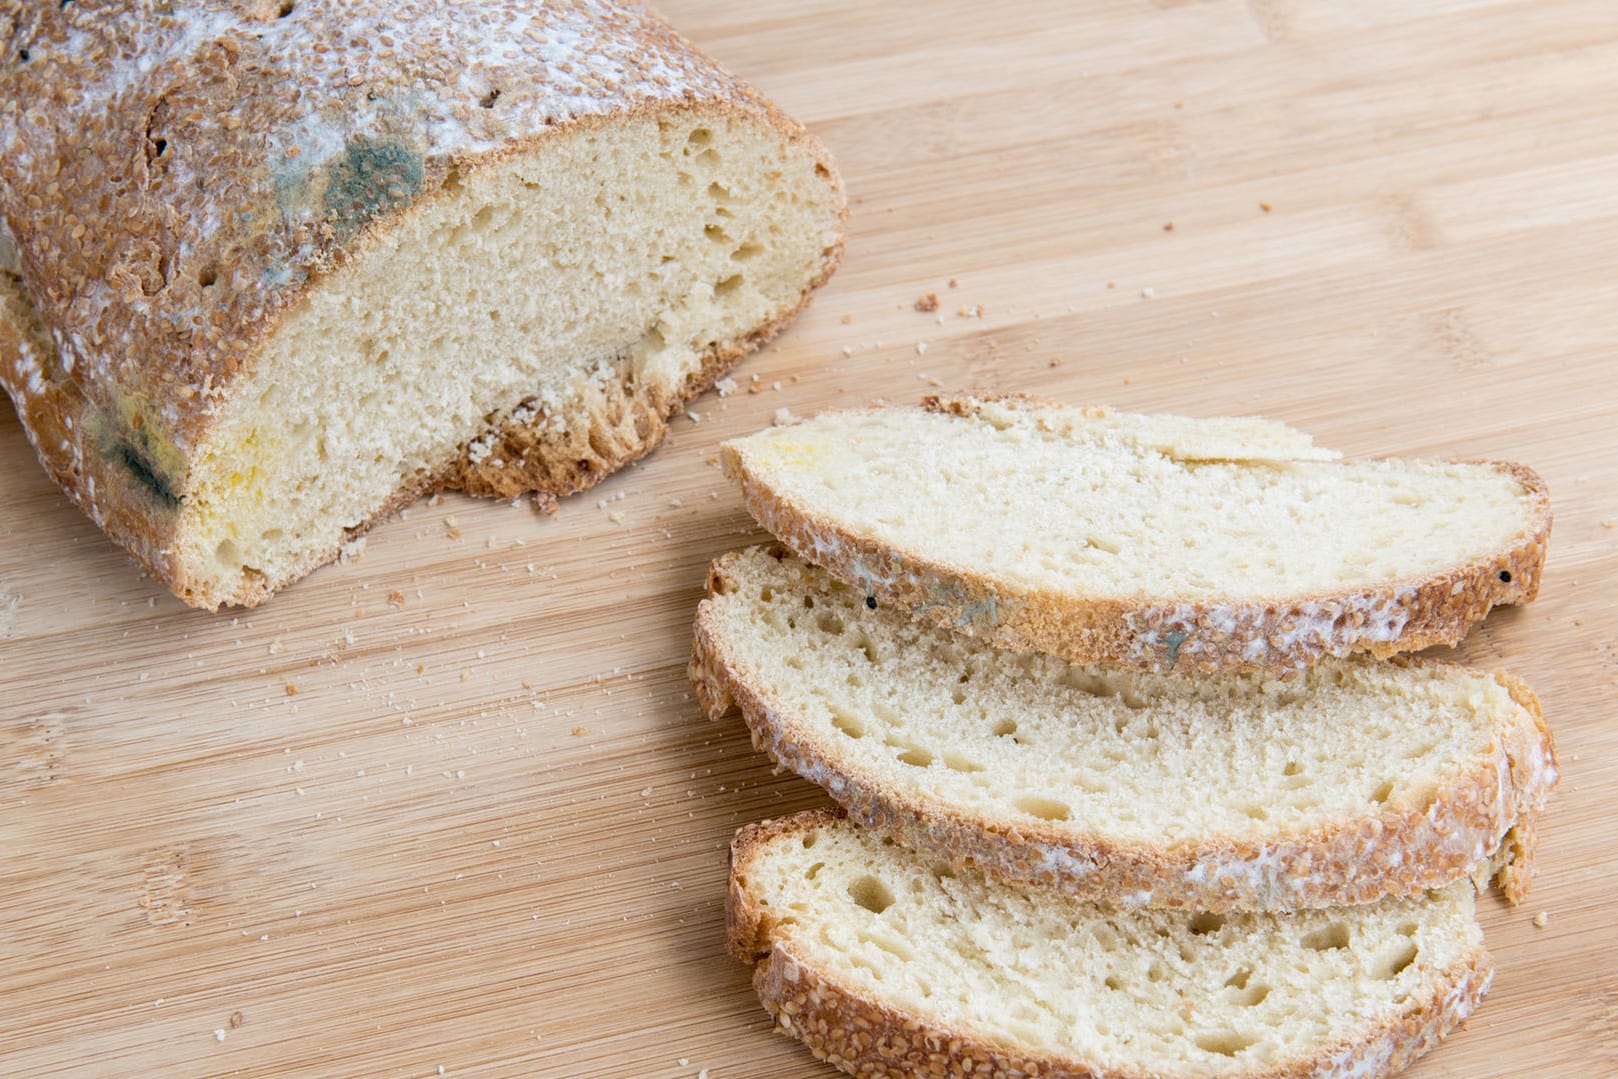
[1133, 778]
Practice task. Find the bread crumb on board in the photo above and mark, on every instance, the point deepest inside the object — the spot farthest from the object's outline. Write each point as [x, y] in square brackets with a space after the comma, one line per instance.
[1541, 919]
[928, 303]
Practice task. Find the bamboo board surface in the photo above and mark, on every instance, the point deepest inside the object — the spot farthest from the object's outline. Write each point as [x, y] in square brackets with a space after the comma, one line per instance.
[450, 809]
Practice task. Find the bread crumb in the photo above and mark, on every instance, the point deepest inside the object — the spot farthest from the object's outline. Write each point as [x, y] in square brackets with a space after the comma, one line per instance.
[1168, 226]
[725, 387]
[847, 320]
[928, 303]
[1112, 284]
[452, 528]
[1056, 361]
[396, 598]
[1266, 207]
[580, 732]
[921, 348]
[783, 418]
[236, 1020]
[292, 689]
[954, 283]
[1149, 292]
[1541, 919]
[219, 1034]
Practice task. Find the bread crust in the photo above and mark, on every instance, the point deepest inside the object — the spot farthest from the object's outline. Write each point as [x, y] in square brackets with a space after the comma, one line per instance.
[172, 204]
[1413, 843]
[867, 1037]
[1279, 635]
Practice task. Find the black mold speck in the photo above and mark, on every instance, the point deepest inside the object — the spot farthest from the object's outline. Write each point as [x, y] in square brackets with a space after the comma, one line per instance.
[870, 602]
[371, 177]
[149, 480]
[1505, 576]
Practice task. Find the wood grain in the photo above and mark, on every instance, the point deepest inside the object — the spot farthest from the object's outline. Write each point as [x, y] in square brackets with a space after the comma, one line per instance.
[451, 806]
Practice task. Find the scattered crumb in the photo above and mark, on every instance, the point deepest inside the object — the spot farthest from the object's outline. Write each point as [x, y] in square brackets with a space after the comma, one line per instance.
[1112, 284]
[693, 416]
[452, 528]
[1541, 919]
[725, 386]
[219, 1034]
[1055, 361]
[783, 417]
[954, 283]
[396, 598]
[1266, 207]
[1149, 292]
[847, 320]
[1609, 523]
[921, 348]
[580, 732]
[928, 303]
[1168, 226]
[236, 1020]
[292, 689]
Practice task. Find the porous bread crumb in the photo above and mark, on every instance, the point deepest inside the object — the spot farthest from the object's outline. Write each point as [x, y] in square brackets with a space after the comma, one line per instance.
[580, 732]
[725, 386]
[1541, 919]
[452, 528]
[928, 303]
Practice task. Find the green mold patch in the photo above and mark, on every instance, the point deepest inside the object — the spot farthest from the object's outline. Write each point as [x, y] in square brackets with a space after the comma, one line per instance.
[369, 179]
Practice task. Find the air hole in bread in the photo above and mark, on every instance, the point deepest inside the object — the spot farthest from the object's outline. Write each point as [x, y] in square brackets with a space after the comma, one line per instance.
[916, 758]
[208, 275]
[1383, 792]
[1005, 728]
[1256, 812]
[1293, 768]
[1326, 938]
[1239, 979]
[1408, 929]
[487, 100]
[747, 251]
[829, 623]
[1207, 922]
[698, 139]
[1043, 808]
[813, 871]
[810, 839]
[848, 723]
[957, 763]
[1112, 982]
[1225, 1043]
[716, 234]
[1389, 966]
[871, 893]
[728, 285]
[709, 158]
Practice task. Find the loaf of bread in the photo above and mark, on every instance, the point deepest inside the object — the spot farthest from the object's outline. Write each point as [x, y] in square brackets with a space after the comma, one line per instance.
[1355, 779]
[889, 964]
[1153, 542]
[272, 268]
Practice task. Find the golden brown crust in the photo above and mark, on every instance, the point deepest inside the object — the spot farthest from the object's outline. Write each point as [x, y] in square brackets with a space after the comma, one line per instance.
[867, 1037]
[171, 204]
[1277, 636]
[1410, 845]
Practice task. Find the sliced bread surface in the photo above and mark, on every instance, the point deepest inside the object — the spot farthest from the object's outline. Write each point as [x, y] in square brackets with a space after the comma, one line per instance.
[886, 963]
[1154, 542]
[1354, 779]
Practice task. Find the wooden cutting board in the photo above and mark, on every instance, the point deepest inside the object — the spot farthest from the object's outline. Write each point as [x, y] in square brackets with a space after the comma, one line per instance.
[450, 809]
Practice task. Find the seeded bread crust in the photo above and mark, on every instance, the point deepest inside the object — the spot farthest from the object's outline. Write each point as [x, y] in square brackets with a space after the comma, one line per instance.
[1277, 636]
[150, 156]
[867, 1037]
[1407, 848]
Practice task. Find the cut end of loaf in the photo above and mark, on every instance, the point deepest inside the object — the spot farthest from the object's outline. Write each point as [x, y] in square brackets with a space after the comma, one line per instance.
[530, 327]
[879, 958]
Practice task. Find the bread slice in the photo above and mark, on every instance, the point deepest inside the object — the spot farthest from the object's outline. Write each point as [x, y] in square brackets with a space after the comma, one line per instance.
[1353, 780]
[1152, 542]
[280, 267]
[885, 963]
